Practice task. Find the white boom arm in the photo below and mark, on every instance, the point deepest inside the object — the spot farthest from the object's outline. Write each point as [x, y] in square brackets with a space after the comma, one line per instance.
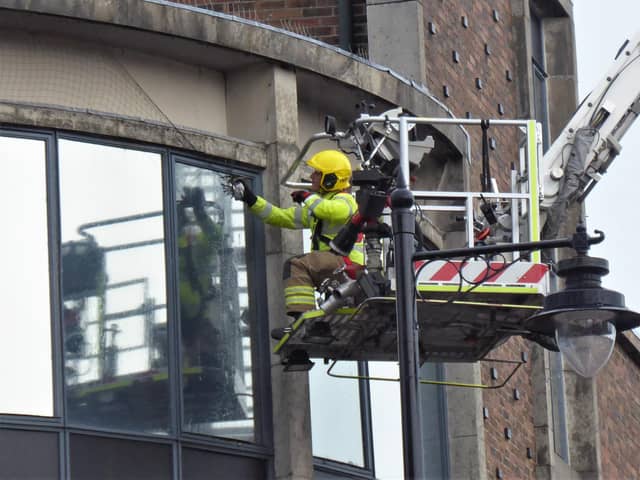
[591, 140]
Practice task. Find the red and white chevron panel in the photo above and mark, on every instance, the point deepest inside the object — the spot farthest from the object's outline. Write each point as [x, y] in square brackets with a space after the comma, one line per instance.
[519, 274]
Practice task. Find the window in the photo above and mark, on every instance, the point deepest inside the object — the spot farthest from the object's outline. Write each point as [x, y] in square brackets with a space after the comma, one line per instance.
[217, 384]
[358, 422]
[336, 419]
[129, 336]
[386, 421]
[26, 367]
[113, 287]
[540, 109]
[387, 425]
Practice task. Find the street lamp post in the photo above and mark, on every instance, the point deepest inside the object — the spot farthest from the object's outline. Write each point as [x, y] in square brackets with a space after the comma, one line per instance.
[584, 317]
[403, 222]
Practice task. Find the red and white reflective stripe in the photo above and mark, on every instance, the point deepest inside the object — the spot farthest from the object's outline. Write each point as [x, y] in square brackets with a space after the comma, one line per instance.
[442, 271]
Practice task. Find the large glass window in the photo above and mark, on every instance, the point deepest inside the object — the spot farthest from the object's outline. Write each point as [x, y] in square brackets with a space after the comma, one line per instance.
[113, 287]
[336, 423]
[101, 332]
[386, 422]
[217, 386]
[25, 337]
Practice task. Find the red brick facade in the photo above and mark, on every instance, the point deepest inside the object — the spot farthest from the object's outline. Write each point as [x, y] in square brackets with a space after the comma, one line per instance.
[313, 18]
[467, 47]
[510, 414]
[618, 387]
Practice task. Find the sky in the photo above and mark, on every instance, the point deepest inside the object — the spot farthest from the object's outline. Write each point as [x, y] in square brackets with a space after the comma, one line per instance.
[601, 28]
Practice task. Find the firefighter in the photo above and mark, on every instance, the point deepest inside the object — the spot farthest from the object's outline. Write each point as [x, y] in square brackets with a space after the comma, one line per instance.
[325, 209]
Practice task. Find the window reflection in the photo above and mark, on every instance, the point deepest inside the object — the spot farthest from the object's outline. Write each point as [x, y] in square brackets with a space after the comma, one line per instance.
[25, 339]
[113, 287]
[215, 330]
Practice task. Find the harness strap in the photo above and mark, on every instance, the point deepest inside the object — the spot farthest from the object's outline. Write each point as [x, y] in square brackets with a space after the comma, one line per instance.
[317, 231]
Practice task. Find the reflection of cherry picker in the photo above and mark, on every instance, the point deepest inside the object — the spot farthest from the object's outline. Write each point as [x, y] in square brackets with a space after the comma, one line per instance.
[469, 306]
[97, 339]
[84, 277]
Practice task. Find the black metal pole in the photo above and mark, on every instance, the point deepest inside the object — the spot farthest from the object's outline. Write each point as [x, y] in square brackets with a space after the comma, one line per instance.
[344, 24]
[578, 242]
[403, 222]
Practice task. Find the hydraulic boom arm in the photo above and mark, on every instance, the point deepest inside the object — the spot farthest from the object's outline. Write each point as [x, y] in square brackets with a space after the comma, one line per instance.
[591, 140]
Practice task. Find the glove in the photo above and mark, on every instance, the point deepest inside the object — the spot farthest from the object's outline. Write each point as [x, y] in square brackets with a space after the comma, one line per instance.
[240, 190]
[300, 196]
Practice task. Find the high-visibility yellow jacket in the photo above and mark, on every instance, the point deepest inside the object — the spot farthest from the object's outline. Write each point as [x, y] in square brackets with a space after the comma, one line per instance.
[325, 214]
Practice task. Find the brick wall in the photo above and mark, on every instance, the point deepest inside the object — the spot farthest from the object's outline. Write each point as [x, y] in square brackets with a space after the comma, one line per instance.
[474, 62]
[619, 417]
[509, 407]
[313, 18]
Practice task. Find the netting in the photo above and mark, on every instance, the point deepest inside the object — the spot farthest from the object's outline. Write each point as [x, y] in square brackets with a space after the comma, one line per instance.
[45, 71]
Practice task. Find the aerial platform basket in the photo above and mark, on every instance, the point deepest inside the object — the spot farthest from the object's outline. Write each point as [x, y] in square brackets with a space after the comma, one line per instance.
[466, 307]
[457, 321]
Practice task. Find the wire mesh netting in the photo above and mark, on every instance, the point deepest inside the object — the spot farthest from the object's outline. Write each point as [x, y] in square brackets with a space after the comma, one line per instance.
[52, 72]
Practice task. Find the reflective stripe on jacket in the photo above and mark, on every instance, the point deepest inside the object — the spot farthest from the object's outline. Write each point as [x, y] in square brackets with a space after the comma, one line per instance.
[334, 209]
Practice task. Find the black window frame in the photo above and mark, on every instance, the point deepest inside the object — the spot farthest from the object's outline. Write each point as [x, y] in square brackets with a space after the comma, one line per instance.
[57, 419]
[262, 446]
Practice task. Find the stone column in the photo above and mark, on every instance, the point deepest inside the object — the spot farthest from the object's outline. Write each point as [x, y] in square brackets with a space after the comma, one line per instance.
[262, 106]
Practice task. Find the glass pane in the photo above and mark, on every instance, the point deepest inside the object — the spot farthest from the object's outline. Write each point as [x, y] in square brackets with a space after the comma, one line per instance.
[25, 339]
[28, 455]
[336, 421]
[386, 422]
[113, 287]
[434, 422]
[99, 458]
[540, 103]
[214, 305]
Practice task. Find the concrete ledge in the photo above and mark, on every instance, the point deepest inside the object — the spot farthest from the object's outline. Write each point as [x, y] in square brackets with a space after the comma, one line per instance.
[99, 124]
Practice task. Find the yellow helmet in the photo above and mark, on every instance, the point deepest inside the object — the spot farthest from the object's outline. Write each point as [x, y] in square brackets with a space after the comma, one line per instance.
[335, 168]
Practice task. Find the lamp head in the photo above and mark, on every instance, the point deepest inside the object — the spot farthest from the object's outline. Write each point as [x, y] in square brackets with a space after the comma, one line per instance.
[584, 317]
